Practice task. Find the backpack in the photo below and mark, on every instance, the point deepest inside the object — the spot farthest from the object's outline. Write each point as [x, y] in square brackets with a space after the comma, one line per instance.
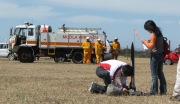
[166, 46]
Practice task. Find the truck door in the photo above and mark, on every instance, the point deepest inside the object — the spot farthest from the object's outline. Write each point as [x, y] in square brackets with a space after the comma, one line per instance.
[20, 34]
[31, 37]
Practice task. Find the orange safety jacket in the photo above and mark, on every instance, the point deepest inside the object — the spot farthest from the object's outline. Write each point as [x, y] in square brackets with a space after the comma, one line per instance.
[86, 45]
[99, 48]
[116, 47]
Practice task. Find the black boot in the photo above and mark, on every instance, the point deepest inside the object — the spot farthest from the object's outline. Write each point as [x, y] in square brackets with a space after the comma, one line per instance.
[96, 88]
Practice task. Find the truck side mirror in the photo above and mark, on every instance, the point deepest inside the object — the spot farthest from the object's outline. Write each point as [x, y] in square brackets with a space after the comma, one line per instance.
[11, 32]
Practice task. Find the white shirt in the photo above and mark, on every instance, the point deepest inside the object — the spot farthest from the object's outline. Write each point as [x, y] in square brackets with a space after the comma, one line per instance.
[114, 67]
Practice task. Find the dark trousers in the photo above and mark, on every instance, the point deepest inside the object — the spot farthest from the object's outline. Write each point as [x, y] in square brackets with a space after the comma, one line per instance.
[156, 65]
[104, 74]
[115, 56]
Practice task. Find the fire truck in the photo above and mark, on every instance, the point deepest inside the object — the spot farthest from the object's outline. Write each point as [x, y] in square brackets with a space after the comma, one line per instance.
[29, 42]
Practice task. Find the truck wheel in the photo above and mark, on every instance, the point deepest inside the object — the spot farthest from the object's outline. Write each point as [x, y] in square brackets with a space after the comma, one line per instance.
[108, 56]
[31, 59]
[60, 58]
[77, 57]
[25, 56]
[11, 56]
[93, 58]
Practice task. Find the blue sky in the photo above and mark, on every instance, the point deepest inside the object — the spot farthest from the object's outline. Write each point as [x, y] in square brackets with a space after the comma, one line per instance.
[118, 18]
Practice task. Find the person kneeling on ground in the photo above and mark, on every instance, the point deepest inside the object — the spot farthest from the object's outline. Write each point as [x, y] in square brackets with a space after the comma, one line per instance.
[110, 71]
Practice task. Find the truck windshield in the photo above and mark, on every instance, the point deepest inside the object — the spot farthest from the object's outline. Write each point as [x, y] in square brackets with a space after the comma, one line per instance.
[20, 31]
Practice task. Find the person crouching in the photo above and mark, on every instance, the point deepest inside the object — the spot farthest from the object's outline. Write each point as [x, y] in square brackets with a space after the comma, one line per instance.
[110, 71]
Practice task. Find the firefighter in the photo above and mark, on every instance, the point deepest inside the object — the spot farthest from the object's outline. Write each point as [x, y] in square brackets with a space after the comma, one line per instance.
[115, 48]
[87, 46]
[99, 48]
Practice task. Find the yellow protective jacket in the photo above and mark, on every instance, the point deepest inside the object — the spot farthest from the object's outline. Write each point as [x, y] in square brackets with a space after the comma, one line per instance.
[116, 46]
[86, 45]
[99, 48]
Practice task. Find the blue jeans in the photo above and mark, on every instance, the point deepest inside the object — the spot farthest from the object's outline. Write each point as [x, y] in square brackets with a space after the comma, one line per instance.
[156, 66]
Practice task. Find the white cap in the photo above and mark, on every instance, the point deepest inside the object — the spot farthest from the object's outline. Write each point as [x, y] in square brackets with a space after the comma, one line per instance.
[99, 39]
[87, 37]
[115, 38]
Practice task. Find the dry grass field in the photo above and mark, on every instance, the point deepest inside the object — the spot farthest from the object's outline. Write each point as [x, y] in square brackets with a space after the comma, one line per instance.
[47, 82]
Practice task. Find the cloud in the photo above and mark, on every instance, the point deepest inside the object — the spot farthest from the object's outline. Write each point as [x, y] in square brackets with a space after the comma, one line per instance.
[91, 19]
[165, 7]
[12, 10]
[168, 22]
[50, 8]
